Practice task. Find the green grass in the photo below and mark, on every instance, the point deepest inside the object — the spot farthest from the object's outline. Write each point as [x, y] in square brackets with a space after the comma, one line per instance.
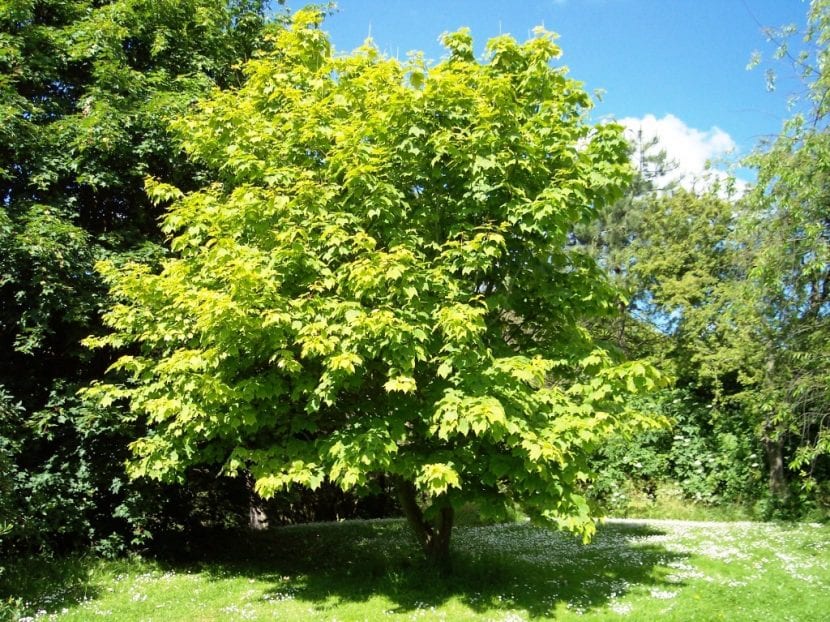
[651, 570]
[670, 502]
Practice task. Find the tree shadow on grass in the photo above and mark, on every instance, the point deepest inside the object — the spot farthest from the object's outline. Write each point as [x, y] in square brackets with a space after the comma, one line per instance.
[499, 567]
[44, 584]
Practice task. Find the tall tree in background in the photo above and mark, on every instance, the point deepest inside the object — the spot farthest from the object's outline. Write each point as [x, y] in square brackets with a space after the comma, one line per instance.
[611, 240]
[86, 92]
[739, 287]
[789, 224]
[673, 256]
[381, 284]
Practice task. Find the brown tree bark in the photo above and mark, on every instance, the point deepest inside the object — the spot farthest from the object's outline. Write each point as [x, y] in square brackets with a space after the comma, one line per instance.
[257, 518]
[434, 538]
[774, 448]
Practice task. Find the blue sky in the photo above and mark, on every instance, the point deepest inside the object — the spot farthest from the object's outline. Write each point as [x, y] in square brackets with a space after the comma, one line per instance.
[676, 67]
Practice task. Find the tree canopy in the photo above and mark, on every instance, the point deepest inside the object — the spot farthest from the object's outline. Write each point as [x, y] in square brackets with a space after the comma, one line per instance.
[788, 224]
[87, 90]
[381, 283]
[736, 288]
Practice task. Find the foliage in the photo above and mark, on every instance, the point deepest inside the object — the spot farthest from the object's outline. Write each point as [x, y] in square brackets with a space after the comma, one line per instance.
[695, 264]
[86, 92]
[612, 239]
[381, 283]
[701, 271]
[790, 226]
[679, 268]
[709, 456]
[689, 266]
[9, 418]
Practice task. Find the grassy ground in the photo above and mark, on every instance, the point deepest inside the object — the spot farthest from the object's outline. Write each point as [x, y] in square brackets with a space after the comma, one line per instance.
[634, 570]
[669, 502]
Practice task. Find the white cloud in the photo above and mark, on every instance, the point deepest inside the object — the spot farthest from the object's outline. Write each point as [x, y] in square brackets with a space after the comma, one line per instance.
[688, 148]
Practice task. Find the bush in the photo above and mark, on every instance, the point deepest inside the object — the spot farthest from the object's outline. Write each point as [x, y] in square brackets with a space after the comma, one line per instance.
[709, 456]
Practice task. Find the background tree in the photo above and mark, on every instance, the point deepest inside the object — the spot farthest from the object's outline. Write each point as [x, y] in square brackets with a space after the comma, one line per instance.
[86, 92]
[381, 284]
[690, 272]
[790, 225]
[739, 287]
[611, 239]
[673, 255]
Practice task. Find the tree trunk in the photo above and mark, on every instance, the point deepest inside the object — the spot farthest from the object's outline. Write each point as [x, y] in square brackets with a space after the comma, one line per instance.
[433, 538]
[773, 440]
[257, 519]
[774, 448]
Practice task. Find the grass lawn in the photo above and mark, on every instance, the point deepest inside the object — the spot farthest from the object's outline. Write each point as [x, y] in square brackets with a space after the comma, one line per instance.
[370, 570]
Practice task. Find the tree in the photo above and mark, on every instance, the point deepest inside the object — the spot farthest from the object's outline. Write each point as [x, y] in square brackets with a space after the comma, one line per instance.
[689, 265]
[381, 284]
[86, 92]
[611, 239]
[789, 223]
[736, 288]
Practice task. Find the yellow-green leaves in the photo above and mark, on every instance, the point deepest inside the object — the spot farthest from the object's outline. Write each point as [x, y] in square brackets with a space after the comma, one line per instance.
[382, 284]
[160, 193]
[436, 478]
[355, 453]
[532, 371]
[460, 324]
[458, 414]
[404, 384]
[346, 361]
[460, 44]
[477, 255]
[295, 473]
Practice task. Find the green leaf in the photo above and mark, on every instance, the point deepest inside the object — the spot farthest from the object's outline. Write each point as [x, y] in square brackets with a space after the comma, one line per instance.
[403, 384]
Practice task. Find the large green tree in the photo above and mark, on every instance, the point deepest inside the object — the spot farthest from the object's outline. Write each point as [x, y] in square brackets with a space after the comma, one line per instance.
[740, 286]
[688, 269]
[789, 224]
[381, 284]
[682, 272]
[86, 93]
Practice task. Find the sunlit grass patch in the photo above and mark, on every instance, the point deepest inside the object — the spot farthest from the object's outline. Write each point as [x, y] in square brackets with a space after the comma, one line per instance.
[372, 570]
